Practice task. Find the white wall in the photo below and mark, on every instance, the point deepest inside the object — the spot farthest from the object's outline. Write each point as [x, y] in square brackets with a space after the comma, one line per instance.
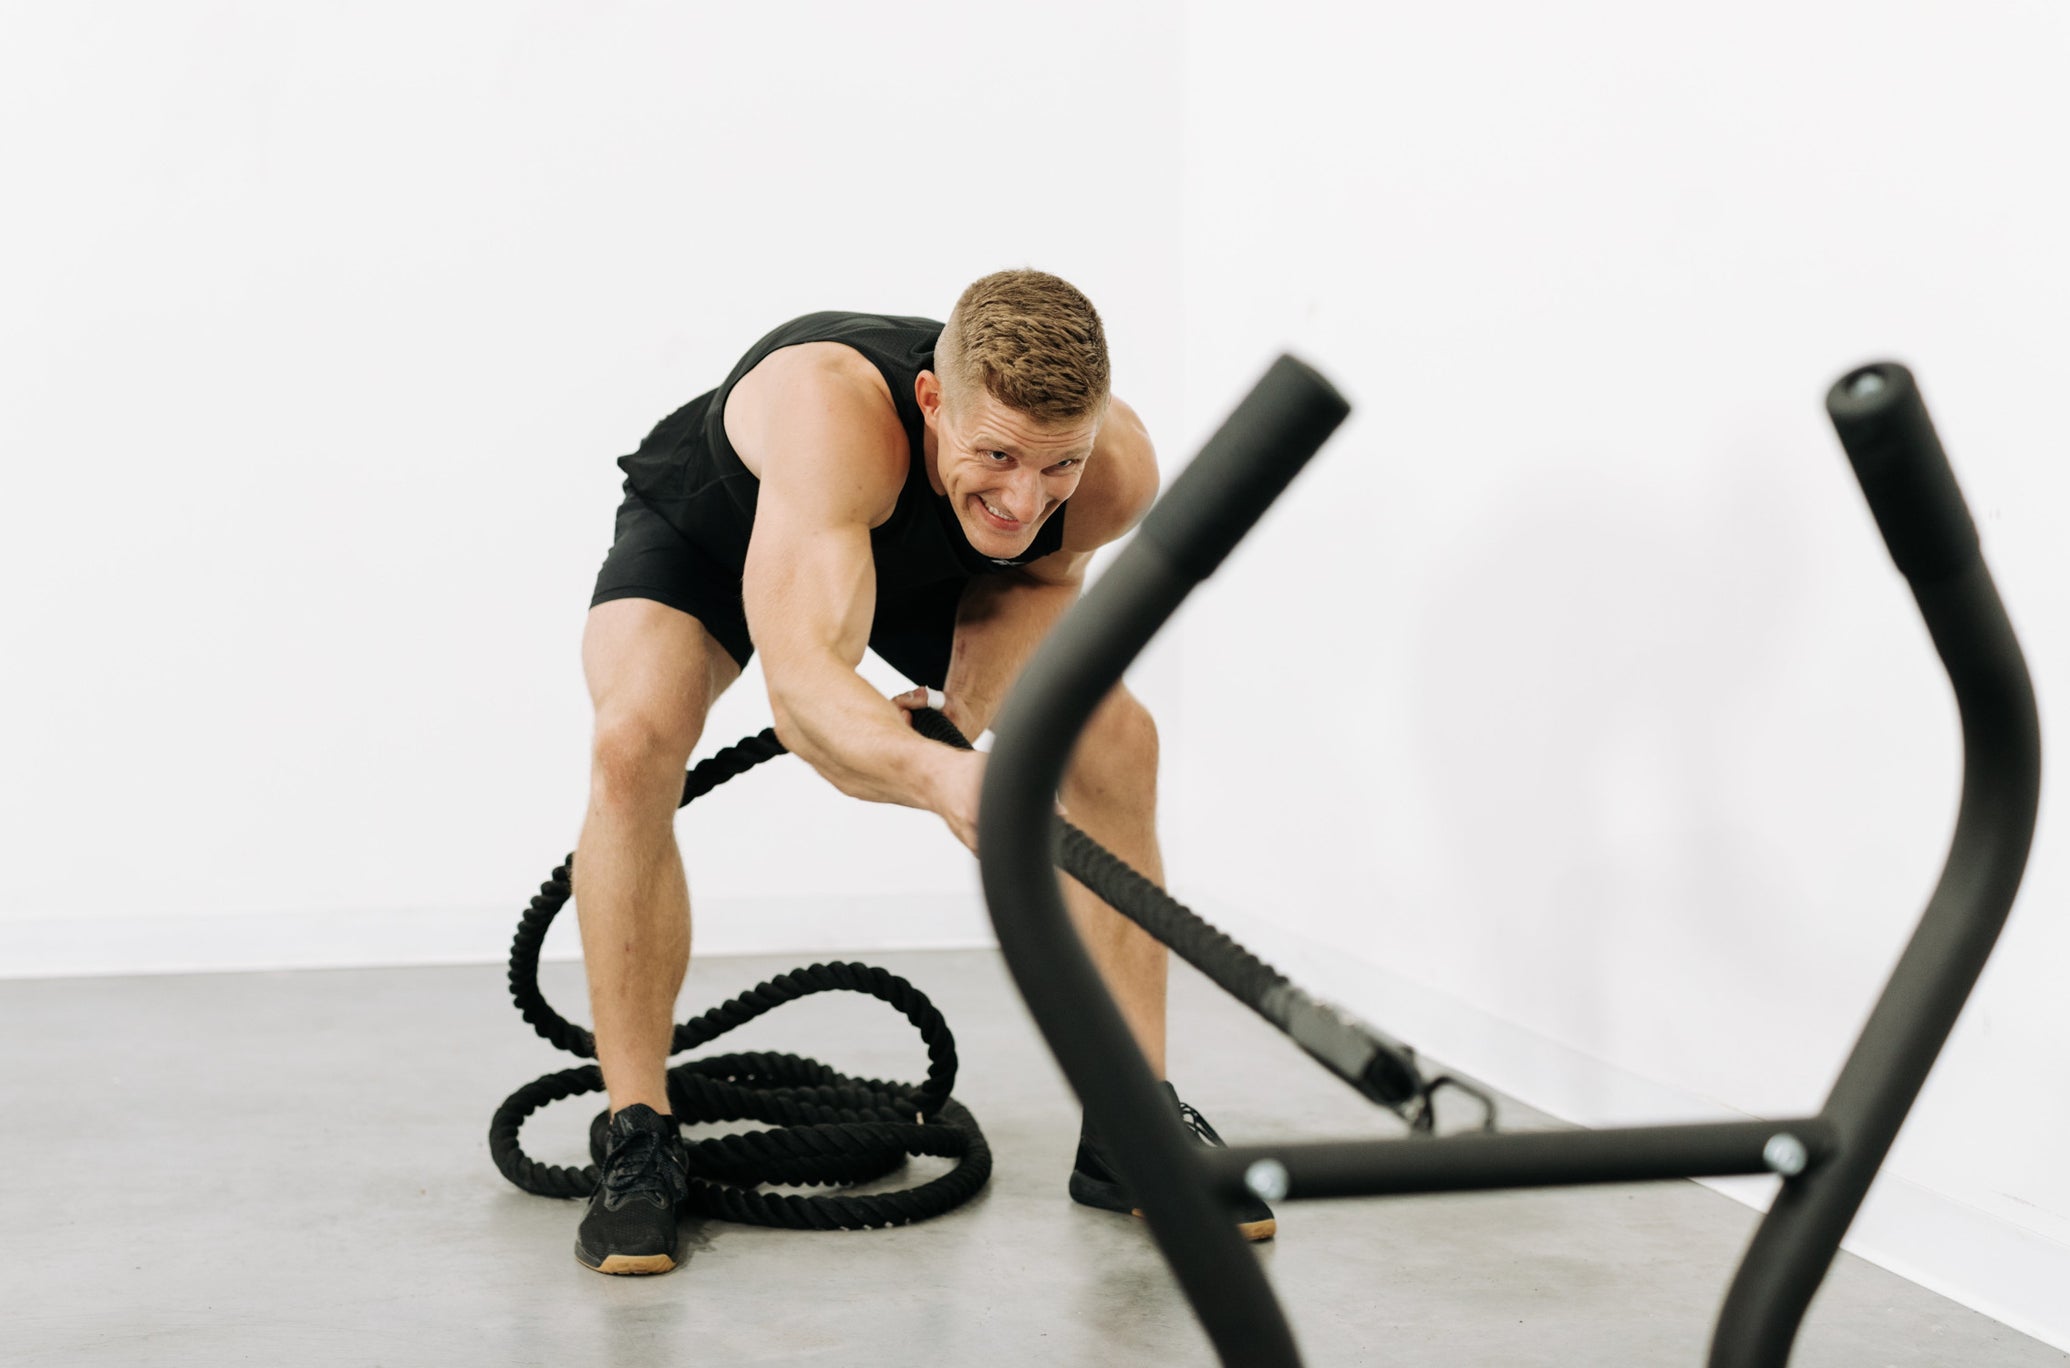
[1614, 757]
[1574, 674]
[324, 325]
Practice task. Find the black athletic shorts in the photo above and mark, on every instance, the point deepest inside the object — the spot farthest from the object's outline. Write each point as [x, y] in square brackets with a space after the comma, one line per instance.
[913, 628]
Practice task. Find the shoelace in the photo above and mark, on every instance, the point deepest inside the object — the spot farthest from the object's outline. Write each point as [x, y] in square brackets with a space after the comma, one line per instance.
[638, 1166]
[1198, 1124]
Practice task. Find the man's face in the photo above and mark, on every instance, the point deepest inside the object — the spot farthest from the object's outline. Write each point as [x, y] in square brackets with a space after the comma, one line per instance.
[1004, 472]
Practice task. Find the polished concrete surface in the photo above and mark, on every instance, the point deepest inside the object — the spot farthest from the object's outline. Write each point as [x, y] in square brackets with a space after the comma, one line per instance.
[293, 1168]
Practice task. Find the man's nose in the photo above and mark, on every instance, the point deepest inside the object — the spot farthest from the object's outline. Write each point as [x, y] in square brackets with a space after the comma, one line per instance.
[1026, 493]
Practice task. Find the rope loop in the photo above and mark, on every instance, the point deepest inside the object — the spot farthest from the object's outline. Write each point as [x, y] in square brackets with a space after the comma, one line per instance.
[825, 1128]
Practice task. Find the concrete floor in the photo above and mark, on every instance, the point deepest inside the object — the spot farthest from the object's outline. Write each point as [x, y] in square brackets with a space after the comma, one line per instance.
[293, 1167]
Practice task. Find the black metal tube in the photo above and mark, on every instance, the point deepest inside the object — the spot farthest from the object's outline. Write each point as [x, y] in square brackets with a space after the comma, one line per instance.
[1279, 425]
[1883, 424]
[1481, 1162]
[1249, 462]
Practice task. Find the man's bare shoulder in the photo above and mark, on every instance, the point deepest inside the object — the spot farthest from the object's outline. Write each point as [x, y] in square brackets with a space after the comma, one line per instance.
[804, 392]
[1119, 486]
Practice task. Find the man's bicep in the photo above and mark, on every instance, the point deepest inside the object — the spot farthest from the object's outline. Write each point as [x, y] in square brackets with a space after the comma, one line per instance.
[833, 452]
[809, 585]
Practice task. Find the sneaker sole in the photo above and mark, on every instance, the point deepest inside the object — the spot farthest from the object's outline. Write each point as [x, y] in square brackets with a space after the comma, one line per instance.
[1107, 1197]
[1257, 1232]
[629, 1263]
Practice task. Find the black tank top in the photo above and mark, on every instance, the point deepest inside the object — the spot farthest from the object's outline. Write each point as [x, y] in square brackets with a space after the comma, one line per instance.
[688, 472]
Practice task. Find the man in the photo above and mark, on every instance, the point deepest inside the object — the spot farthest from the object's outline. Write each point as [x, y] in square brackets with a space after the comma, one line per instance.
[858, 480]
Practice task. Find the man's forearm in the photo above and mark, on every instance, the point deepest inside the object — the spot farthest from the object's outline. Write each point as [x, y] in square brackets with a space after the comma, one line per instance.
[999, 623]
[827, 715]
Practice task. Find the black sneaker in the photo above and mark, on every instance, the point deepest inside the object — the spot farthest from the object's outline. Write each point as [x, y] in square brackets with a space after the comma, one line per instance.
[1094, 1182]
[643, 1179]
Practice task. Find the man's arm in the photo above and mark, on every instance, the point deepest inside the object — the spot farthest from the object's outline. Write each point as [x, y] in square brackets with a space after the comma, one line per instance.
[833, 457]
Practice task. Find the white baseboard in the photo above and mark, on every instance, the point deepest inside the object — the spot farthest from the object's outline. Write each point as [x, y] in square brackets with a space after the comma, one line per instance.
[99, 946]
[1999, 1268]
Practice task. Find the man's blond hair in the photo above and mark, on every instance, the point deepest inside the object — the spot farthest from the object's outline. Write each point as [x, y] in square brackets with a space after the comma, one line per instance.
[1031, 341]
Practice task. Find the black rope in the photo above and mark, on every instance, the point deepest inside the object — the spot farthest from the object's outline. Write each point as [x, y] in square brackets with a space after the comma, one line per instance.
[836, 1130]
[827, 1128]
[1390, 1075]
[1385, 1070]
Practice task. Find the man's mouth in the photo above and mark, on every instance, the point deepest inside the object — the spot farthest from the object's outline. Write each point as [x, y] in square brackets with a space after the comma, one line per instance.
[1006, 522]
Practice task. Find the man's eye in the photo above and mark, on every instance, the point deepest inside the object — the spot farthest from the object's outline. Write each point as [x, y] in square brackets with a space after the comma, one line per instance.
[995, 455]
[1066, 463]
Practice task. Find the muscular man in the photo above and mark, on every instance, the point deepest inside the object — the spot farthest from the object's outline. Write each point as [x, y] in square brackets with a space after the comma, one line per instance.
[858, 480]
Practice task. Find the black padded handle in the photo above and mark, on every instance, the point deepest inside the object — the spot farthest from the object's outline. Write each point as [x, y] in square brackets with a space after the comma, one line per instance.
[1904, 474]
[1247, 464]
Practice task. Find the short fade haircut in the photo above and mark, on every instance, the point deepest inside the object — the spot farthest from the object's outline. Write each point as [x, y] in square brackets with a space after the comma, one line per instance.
[1032, 342]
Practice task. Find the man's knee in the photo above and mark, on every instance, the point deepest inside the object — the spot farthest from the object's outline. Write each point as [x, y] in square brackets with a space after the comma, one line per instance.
[1117, 755]
[653, 674]
[637, 760]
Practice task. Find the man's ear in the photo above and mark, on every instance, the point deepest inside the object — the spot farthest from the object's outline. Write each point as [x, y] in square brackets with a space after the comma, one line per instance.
[927, 392]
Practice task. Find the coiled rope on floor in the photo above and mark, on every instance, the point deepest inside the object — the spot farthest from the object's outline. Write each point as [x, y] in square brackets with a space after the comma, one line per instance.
[829, 1129]
[833, 1129]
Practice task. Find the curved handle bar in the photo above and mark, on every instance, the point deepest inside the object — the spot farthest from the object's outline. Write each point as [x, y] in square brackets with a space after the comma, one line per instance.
[1247, 464]
[1904, 474]
[1213, 503]
[1883, 425]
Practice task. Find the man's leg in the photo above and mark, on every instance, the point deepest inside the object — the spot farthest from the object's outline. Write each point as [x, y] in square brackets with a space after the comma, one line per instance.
[1110, 792]
[979, 637]
[653, 672]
